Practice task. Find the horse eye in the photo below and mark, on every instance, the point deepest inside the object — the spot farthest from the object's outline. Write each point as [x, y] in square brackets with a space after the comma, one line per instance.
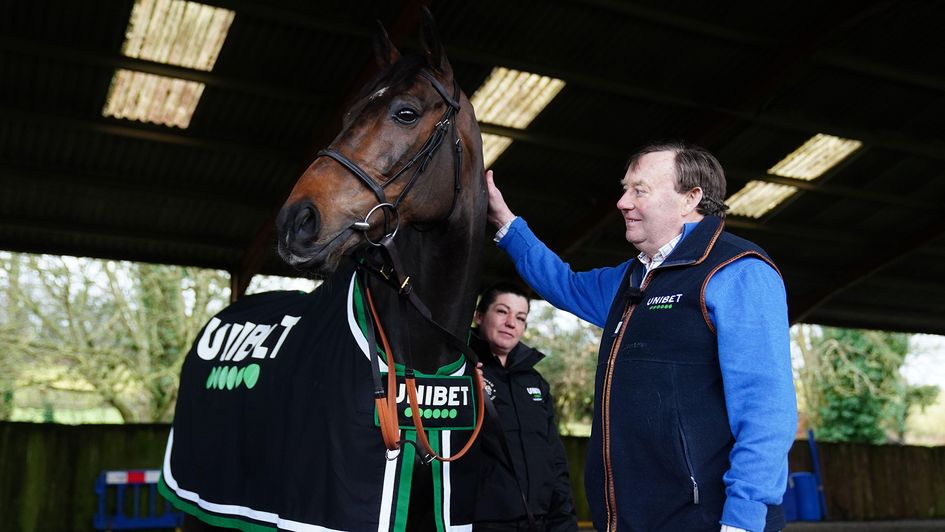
[406, 115]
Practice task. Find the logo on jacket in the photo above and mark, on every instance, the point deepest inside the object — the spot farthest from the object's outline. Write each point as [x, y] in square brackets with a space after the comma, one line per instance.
[534, 392]
[489, 388]
[663, 302]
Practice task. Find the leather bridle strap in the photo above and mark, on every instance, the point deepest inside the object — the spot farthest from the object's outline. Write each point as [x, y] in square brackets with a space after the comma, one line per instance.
[424, 155]
[387, 410]
[384, 401]
[356, 170]
[452, 101]
[402, 284]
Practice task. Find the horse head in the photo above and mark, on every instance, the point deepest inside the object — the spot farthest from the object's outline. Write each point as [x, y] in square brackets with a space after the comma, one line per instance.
[408, 152]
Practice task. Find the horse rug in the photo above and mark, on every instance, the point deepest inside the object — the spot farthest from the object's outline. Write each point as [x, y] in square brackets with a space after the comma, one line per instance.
[276, 428]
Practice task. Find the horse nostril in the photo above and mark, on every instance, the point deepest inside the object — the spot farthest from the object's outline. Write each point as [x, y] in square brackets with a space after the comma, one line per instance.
[307, 221]
[298, 224]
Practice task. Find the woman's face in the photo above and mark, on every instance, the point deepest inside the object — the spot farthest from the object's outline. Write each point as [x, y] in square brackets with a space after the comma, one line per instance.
[503, 323]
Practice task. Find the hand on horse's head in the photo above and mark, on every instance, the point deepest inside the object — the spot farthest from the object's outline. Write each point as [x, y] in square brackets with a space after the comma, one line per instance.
[499, 212]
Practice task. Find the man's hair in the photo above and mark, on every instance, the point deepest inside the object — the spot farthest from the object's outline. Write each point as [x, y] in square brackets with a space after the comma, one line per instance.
[489, 295]
[695, 167]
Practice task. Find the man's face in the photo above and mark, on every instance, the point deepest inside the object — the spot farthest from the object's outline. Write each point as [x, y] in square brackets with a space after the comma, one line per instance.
[503, 323]
[652, 210]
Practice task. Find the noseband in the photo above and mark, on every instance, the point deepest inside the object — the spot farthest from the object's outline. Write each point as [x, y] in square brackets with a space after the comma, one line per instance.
[419, 161]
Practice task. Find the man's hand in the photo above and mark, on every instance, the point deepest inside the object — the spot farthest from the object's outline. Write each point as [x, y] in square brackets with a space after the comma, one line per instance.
[499, 212]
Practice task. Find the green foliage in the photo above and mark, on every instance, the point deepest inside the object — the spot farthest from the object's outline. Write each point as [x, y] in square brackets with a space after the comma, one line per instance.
[116, 332]
[851, 384]
[571, 348]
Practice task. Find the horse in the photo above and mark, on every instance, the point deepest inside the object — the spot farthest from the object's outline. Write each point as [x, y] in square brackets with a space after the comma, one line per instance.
[278, 425]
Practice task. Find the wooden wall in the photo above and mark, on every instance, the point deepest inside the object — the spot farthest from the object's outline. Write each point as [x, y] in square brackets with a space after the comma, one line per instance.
[47, 474]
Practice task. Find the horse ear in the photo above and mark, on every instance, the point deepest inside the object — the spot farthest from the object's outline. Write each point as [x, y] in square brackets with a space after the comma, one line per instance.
[384, 50]
[432, 46]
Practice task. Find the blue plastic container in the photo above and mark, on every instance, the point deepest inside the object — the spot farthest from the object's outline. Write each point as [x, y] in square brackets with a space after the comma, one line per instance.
[789, 502]
[806, 497]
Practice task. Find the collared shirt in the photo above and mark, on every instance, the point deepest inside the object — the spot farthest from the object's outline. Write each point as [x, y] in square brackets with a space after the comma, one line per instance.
[661, 254]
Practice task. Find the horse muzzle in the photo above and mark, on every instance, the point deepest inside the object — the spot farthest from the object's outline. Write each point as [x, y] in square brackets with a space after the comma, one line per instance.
[302, 245]
[298, 226]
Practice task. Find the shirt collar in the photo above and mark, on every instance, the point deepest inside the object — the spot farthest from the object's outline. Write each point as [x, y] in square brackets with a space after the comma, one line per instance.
[667, 248]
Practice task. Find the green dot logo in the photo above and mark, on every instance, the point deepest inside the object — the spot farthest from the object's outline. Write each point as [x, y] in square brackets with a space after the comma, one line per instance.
[231, 378]
[436, 413]
[408, 412]
[221, 378]
[453, 413]
[251, 375]
[212, 379]
[239, 378]
[428, 413]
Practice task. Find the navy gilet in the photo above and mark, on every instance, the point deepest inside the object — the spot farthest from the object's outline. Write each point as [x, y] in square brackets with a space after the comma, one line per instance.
[661, 438]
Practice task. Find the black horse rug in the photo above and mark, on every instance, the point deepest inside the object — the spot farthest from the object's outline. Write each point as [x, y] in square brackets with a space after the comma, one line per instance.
[276, 427]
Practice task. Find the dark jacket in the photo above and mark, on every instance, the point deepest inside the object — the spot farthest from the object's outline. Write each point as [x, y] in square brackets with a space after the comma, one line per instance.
[666, 455]
[526, 410]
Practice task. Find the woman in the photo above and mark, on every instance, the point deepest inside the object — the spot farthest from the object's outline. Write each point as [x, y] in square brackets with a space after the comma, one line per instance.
[526, 412]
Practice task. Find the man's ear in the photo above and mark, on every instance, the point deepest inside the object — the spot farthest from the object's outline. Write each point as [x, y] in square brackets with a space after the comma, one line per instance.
[693, 197]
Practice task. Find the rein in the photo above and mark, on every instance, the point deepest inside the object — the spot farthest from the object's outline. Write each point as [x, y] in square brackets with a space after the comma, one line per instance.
[385, 400]
[391, 273]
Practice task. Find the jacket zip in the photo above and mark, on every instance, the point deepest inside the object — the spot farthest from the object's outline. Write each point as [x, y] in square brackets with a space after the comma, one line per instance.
[689, 468]
[609, 491]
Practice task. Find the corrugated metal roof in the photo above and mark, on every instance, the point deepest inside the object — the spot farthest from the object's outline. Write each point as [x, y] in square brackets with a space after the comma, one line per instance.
[751, 81]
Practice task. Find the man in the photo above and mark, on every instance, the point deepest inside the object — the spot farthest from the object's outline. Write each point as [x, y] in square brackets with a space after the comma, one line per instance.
[526, 412]
[694, 401]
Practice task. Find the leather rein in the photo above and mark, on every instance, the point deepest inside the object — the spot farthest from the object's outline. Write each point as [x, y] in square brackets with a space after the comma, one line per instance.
[391, 272]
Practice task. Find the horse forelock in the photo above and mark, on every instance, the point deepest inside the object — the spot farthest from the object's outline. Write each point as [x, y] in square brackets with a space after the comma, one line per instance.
[406, 69]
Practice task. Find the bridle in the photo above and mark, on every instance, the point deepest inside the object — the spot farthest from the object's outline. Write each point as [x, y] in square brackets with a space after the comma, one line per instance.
[392, 274]
[419, 161]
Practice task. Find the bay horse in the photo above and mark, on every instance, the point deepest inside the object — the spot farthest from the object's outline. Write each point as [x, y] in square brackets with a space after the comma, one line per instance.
[280, 403]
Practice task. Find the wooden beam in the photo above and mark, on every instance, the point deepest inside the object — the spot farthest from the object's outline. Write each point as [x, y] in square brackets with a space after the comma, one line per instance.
[139, 131]
[45, 49]
[742, 175]
[891, 253]
[680, 22]
[80, 228]
[564, 144]
[895, 73]
[106, 184]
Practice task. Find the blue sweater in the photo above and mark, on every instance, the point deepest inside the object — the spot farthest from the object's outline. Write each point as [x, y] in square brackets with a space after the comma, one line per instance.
[754, 357]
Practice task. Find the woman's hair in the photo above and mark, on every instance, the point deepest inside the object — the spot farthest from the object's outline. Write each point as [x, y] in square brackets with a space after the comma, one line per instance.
[490, 294]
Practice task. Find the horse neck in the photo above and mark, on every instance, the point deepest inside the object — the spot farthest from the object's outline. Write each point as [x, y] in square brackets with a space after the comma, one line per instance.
[444, 262]
[444, 266]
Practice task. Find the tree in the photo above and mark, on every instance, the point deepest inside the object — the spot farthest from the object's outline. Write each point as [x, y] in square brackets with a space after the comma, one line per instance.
[850, 384]
[116, 330]
[570, 345]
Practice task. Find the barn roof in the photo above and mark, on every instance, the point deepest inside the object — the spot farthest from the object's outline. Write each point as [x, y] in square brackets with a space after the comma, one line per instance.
[863, 245]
